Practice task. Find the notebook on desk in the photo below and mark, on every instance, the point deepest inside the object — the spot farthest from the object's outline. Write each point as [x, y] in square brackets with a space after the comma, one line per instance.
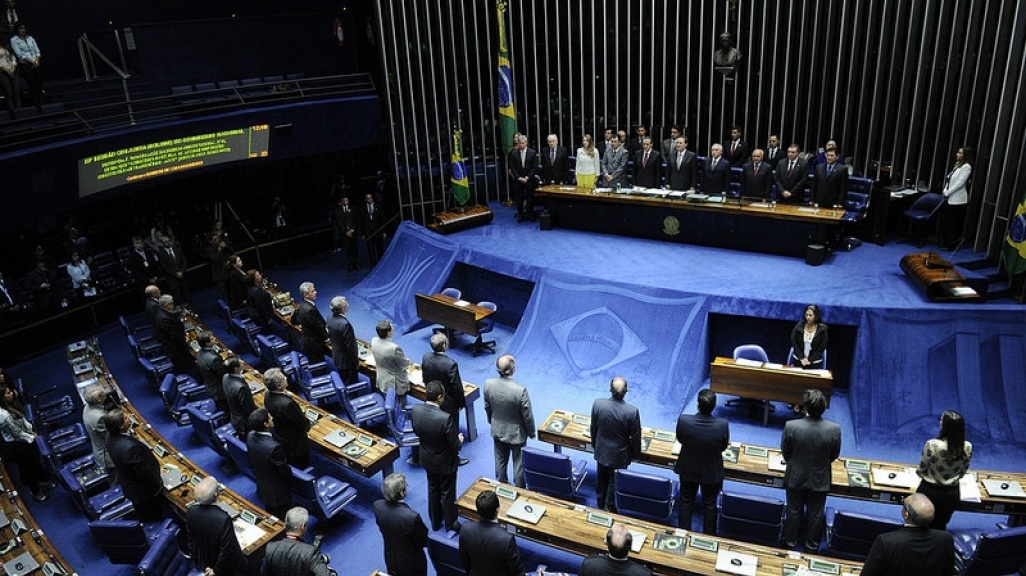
[777, 463]
[521, 510]
[1004, 489]
[898, 478]
[21, 564]
[736, 563]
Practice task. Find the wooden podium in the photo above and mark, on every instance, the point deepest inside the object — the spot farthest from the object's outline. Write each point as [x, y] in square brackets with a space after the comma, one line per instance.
[460, 219]
[938, 277]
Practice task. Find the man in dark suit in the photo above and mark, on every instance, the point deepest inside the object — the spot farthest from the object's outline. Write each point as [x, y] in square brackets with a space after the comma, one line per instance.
[152, 293]
[372, 220]
[670, 143]
[523, 165]
[259, 305]
[616, 436]
[440, 442]
[211, 369]
[271, 468]
[757, 177]
[291, 426]
[555, 162]
[315, 329]
[791, 176]
[212, 542]
[736, 151]
[915, 549]
[703, 439]
[174, 267]
[402, 530]
[681, 167]
[774, 152]
[344, 221]
[616, 562]
[648, 166]
[486, 548]
[343, 341]
[238, 396]
[170, 332]
[142, 263]
[292, 556]
[635, 144]
[437, 365]
[137, 467]
[716, 173]
[831, 181]
[809, 446]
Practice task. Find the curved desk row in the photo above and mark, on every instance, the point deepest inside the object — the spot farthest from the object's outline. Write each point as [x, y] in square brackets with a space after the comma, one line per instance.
[22, 542]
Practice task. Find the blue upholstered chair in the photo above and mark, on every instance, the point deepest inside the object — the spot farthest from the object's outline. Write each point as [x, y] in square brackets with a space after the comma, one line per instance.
[63, 445]
[398, 424]
[245, 330]
[553, 474]
[444, 551]
[921, 213]
[239, 454]
[990, 553]
[177, 391]
[456, 294]
[359, 388]
[758, 354]
[127, 541]
[483, 327]
[750, 518]
[274, 351]
[850, 535]
[210, 425]
[156, 368]
[645, 496]
[315, 379]
[165, 559]
[363, 409]
[324, 496]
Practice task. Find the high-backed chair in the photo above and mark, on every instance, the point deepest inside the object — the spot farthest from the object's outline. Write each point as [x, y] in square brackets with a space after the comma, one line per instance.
[456, 294]
[126, 541]
[47, 414]
[990, 553]
[315, 379]
[483, 327]
[177, 391]
[164, 558]
[921, 214]
[444, 551]
[324, 496]
[553, 474]
[750, 518]
[398, 423]
[850, 535]
[156, 369]
[63, 445]
[239, 454]
[645, 496]
[359, 388]
[272, 349]
[210, 425]
[362, 409]
[758, 354]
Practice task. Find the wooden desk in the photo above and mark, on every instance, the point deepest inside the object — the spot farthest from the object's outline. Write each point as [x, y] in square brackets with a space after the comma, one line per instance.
[767, 382]
[262, 531]
[565, 526]
[750, 463]
[447, 311]
[29, 535]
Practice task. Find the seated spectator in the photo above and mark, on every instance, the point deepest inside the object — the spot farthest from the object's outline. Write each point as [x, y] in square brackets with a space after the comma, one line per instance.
[10, 85]
[29, 61]
[81, 276]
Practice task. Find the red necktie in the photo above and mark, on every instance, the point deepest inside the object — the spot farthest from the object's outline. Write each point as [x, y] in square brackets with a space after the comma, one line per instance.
[790, 167]
[644, 161]
[756, 168]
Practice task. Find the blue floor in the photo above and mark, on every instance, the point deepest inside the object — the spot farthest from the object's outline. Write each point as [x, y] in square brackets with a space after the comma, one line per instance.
[847, 284]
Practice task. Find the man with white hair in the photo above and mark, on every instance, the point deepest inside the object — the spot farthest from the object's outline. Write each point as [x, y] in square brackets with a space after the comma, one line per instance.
[212, 541]
[523, 165]
[292, 556]
[315, 329]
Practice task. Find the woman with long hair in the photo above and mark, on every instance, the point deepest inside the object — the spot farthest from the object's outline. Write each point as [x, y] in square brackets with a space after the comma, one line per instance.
[956, 191]
[809, 339]
[588, 163]
[944, 461]
[21, 444]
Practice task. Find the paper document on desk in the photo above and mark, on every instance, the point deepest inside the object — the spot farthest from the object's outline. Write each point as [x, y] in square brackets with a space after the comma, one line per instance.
[637, 540]
[461, 303]
[247, 533]
[747, 362]
[777, 463]
[969, 489]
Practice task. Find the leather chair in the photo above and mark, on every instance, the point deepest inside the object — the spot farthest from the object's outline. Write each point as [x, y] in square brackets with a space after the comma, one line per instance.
[645, 496]
[444, 552]
[245, 330]
[210, 425]
[47, 414]
[272, 349]
[850, 535]
[126, 541]
[990, 553]
[110, 504]
[315, 378]
[483, 327]
[63, 445]
[150, 349]
[143, 333]
[156, 368]
[553, 474]
[239, 454]
[921, 213]
[750, 518]
[363, 409]
[165, 559]
[324, 496]
[177, 391]
[398, 423]
[359, 388]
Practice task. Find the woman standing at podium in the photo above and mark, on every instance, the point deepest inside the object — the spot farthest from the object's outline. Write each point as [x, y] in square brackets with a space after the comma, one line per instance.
[809, 340]
[945, 460]
[956, 191]
[588, 165]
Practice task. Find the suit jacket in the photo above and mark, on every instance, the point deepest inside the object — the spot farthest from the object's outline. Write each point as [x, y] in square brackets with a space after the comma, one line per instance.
[343, 343]
[740, 155]
[523, 169]
[795, 182]
[646, 174]
[614, 163]
[757, 185]
[170, 332]
[405, 536]
[685, 177]
[170, 265]
[212, 540]
[291, 426]
[615, 432]
[392, 365]
[370, 221]
[439, 438]
[487, 549]
[557, 171]
[212, 371]
[703, 439]
[315, 331]
[828, 188]
[152, 309]
[138, 469]
[267, 456]
[603, 565]
[911, 551]
[774, 158]
[240, 402]
[92, 420]
[809, 446]
[293, 557]
[259, 305]
[145, 267]
[716, 181]
[819, 342]
[508, 407]
[439, 366]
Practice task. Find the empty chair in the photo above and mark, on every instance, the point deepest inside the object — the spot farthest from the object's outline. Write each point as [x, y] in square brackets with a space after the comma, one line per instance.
[245, 330]
[920, 214]
[553, 474]
[645, 496]
[359, 388]
[750, 518]
[444, 552]
[756, 353]
[324, 496]
[47, 414]
[483, 327]
[126, 541]
[239, 454]
[177, 391]
[362, 409]
[455, 294]
[156, 369]
[210, 425]
[63, 445]
[990, 553]
[227, 312]
[272, 349]
[164, 558]
[850, 535]
[315, 378]
[398, 424]
[110, 504]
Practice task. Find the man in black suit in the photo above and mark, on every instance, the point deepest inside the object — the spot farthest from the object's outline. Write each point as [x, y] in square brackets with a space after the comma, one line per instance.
[343, 341]
[703, 439]
[486, 548]
[291, 426]
[174, 267]
[440, 442]
[137, 467]
[616, 436]
[616, 562]
[716, 173]
[774, 152]
[142, 263]
[757, 177]
[153, 294]
[634, 145]
[372, 219]
[437, 365]
[791, 176]
[809, 446]
[212, 542]
[736, 151]
[402, 530]
[344, 221]
[831, 181]
[555, 162]
[170, 332]
[523, 164]
[915, 549]
[212, 370]
[238, 396]
[271, 468]
[291, 556]
[315, 329]
[681, 167]
[648, 166]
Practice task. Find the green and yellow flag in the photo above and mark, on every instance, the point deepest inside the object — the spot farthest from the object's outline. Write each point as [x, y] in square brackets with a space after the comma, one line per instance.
[460, 185]
[1014, 251]
[507, 113]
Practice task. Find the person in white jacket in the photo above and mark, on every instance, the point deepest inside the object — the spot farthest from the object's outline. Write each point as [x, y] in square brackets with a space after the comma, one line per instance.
[956, 191]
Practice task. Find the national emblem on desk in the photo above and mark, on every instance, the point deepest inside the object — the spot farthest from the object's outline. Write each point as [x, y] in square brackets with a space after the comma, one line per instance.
[671, 226]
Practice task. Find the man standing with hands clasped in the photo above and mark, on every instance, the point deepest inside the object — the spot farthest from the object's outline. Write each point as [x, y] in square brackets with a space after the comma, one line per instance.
[440, 443]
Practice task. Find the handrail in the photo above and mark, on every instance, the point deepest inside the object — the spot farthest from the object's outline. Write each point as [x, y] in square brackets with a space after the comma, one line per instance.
[87, 48]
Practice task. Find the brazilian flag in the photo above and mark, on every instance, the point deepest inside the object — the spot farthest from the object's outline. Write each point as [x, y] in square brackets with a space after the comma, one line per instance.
[507, 113]
[1014, 251]
[460, 185]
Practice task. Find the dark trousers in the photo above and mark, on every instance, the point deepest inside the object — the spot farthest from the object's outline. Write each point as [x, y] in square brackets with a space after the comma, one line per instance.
[11, 88]
[605, 488]
[442, 500]
[150, 509]
[944, 498]
[34, 78]
[523, 196]
[688, 490]
[812, 503]
[952, 220]
[30, 468]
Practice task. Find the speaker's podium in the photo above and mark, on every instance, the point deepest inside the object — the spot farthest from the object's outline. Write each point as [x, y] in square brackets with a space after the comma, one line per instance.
[461, 218]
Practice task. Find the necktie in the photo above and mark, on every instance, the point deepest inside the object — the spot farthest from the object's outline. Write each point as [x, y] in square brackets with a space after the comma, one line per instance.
[715, 160]
[680, 157]
[733, 146]
[553, 155]
[644, 161]
[523, 159]
[756, 168]
[370, 211]
[790, 167]
[171, 253]
[830, 168]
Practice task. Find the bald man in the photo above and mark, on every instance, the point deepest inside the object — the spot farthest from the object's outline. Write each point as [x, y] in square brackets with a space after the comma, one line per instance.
[212, 541]
[915, 549]
[616, 436]
[615, 562]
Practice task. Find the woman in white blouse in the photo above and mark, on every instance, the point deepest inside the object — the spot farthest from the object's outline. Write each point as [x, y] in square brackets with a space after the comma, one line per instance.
[81, 276]
[944, 461]
[588, 165]
[956, 191]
